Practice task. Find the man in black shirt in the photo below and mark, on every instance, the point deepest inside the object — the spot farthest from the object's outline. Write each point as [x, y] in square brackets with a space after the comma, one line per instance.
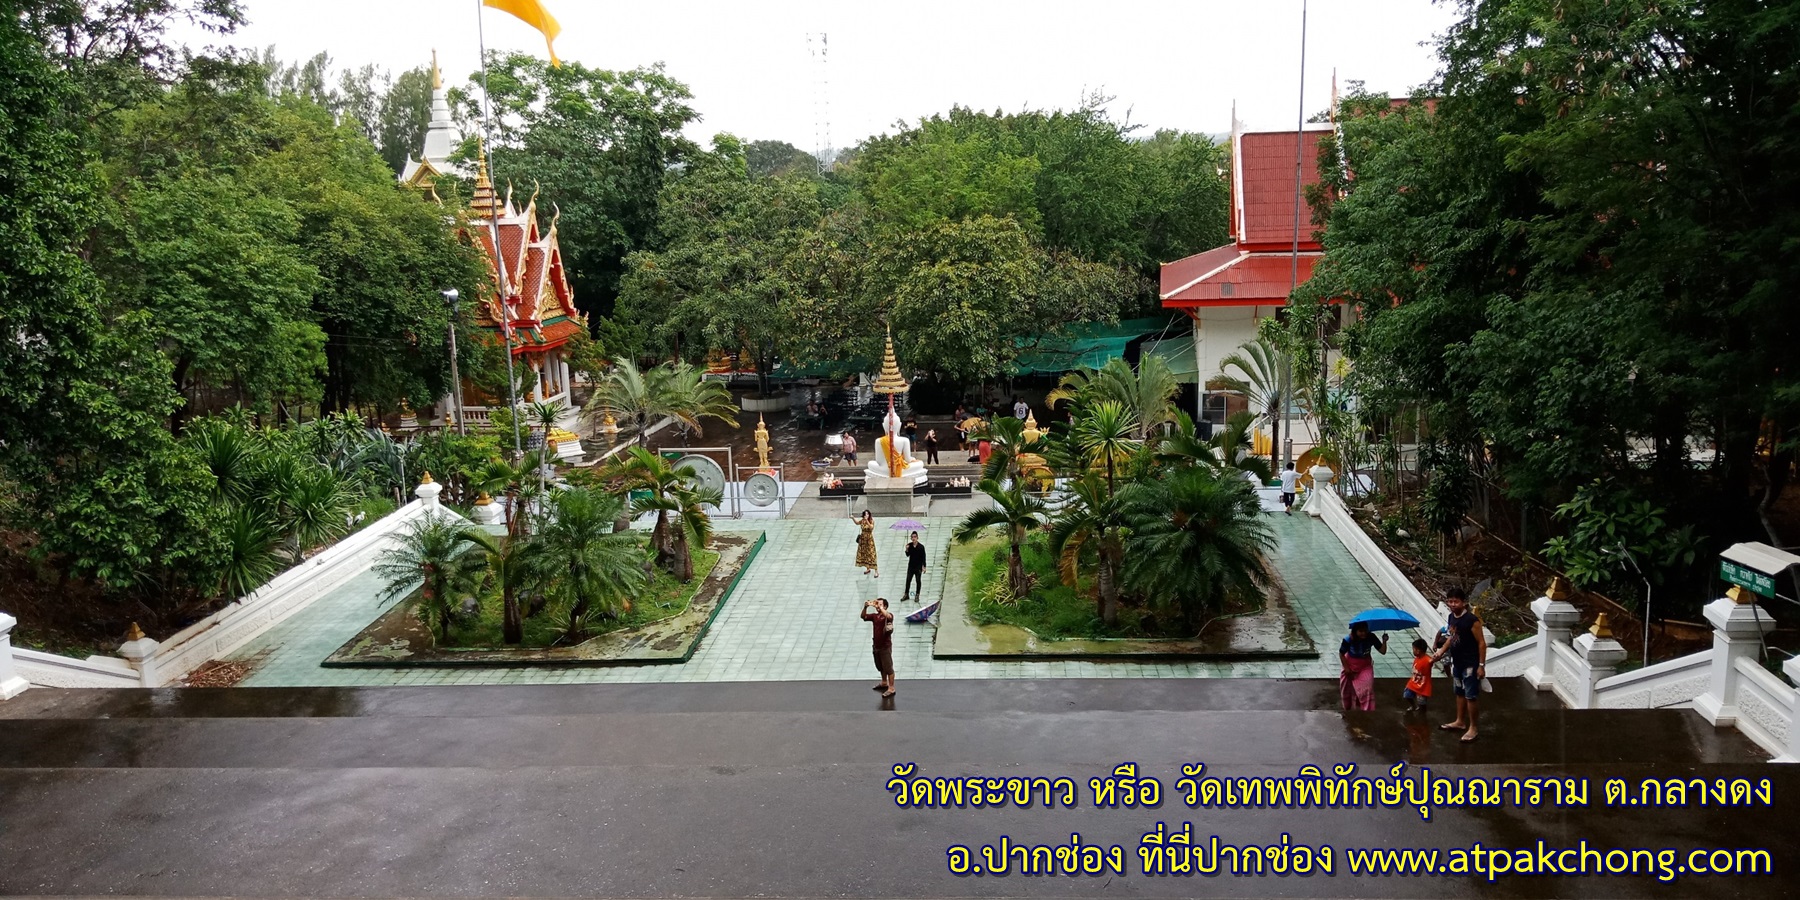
[915, 570]
[1467, 649]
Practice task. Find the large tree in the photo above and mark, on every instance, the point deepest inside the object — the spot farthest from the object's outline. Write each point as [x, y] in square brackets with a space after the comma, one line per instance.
[599, 143]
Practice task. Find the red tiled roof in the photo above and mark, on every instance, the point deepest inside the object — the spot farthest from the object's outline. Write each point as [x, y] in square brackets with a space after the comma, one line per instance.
[531, 282]
[1183, 272]
[1264, 188]
[1254, 279]
[547, 337]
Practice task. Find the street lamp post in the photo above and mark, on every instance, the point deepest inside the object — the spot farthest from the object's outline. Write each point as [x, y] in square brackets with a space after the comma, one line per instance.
[451, 296]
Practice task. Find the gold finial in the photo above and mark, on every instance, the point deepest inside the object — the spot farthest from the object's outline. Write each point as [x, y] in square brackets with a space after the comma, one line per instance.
[437, 77]
[1740, 596]
[890, 381]
[134, 633]
[1558, 589]
[1032, 432]
[483, 499]
[1601, 630]
[427, 478]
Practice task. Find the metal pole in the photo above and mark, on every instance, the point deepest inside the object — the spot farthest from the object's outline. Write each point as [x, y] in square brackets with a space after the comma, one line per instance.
[487, 136]
[1287, 374]
[455, 374]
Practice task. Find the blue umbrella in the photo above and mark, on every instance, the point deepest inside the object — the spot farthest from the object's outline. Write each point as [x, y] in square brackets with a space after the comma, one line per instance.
[1384, 619]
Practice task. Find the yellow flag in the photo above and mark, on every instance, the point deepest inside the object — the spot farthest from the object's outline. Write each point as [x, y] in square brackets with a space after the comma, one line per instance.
[533, 13]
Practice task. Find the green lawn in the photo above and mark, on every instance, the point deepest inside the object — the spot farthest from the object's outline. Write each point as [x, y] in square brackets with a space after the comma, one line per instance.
[1054, 610]
[664, 597]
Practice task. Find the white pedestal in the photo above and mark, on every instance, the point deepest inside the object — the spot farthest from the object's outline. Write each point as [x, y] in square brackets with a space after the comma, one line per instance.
[1737, 633]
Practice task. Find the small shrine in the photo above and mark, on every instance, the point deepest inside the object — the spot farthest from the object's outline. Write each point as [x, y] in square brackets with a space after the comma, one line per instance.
[531, 307]
[893, 472]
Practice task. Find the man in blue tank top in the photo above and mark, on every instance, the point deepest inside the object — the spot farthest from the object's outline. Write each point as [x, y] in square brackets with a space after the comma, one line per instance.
[1467, 649]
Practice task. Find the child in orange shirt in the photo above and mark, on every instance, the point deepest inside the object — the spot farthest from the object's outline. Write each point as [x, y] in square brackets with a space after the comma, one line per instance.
[1418, 687]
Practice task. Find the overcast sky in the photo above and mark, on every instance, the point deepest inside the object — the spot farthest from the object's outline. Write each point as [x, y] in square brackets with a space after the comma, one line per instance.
[754, 73]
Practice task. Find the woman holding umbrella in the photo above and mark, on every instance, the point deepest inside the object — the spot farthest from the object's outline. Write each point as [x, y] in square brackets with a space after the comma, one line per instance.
[1356, 683]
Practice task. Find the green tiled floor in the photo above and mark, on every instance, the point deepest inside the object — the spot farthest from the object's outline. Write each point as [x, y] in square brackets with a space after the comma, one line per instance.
[794, 618]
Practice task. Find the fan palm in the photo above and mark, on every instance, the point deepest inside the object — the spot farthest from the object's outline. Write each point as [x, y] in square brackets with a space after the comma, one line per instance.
[596, 570]
[1016, 511]
[515, 481]
[1147, 392]
[1092, 518]
[1198, 538]
[431, 553]
[1103, 436]
[1262, 369]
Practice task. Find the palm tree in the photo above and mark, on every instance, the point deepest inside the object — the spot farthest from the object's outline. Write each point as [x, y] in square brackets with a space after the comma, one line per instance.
[596, 570]
[672, 492]
[1198, 538]
[640, 397]
[1006, 438]
[1227, 449]
[1147, 393]
[515, 482]
[1093, 517]
[513, 564]
[230, 455]
[431, 554]
[1103, 436]
[1019, 513]
[1263, 367]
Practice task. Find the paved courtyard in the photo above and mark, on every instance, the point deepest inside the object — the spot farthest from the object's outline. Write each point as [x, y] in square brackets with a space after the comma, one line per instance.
[794, 618]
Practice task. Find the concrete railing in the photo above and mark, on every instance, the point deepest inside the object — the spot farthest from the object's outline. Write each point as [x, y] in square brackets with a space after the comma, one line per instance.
[1726, 685]
[147, 662]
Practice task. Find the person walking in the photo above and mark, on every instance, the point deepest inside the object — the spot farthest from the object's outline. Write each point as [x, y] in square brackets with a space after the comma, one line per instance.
[1467, 649]
[931, 447]
[915, 571]
[865, 543]
[850, 448]
[876, 613]
[1021, 409]
[1290, 481]
[1356, 682]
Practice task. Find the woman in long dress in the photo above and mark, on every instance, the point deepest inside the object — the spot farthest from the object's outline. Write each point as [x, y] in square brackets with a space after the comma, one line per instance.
[865, 544]
[1356, 683]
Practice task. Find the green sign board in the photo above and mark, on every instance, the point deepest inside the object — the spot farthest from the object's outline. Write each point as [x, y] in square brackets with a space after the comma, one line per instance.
[1749, 578]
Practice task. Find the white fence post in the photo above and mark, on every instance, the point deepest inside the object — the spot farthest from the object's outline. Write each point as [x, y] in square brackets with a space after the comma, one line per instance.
[428, 490]
[1791, 669]
[1601, 656]
[1738, 627]
[139, 649]
[11, 683]
[1557, 618]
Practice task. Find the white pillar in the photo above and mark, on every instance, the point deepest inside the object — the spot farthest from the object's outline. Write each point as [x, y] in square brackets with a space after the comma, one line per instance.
[1557, 618]
[1738, 627]
[139, 649]
[12, 684]
[428, 491]
[1602, 656]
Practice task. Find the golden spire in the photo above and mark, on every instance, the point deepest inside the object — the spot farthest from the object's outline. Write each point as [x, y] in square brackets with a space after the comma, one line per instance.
[437, 77]
[1601, 630]
[484, 203]
[890, 381]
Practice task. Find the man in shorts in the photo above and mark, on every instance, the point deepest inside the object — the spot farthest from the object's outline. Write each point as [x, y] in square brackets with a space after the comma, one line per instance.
[876, 612]
[1290, 481]
[1467, 649]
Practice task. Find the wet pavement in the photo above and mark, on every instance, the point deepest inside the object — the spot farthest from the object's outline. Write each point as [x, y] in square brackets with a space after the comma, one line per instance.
[777, 789]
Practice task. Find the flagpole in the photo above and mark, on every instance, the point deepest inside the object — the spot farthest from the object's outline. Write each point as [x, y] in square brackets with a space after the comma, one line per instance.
[1287, 375]
[487, 138]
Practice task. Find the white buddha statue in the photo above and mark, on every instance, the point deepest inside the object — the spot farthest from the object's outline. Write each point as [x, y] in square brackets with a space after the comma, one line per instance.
[893, 464]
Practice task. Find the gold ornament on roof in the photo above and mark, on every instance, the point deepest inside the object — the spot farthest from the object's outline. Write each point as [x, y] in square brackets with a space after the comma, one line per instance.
[890, 381]
[484, 204]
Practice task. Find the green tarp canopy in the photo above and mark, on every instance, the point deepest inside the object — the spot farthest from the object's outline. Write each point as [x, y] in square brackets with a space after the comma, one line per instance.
[1087, 344]
[821, 368]
[1178, 354]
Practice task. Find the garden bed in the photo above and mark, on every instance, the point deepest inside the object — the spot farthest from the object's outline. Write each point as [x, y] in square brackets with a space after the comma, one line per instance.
[666, 625]
[1060, 622]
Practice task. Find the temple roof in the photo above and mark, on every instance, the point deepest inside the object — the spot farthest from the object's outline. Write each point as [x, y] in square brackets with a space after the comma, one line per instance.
[441, 138]
[542, 307]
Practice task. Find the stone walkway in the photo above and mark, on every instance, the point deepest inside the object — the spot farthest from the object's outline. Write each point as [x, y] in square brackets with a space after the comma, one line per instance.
[794, 618]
